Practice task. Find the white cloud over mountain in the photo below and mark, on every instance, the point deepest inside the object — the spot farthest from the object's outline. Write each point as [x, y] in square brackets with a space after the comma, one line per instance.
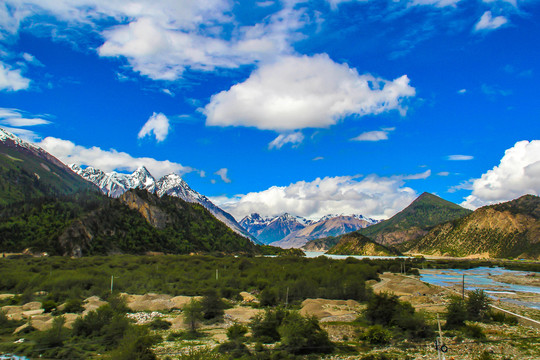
[517, 174]
[158, 125]
[300, 92]
[108, 160]
[373, 196]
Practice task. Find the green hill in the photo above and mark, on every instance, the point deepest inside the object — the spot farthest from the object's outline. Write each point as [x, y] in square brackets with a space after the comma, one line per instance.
[415, 220]
[506, 230]
[358, 244]
[136, 223]
[27, 172]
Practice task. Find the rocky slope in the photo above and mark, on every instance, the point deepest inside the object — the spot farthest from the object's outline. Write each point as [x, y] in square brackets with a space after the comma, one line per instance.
[510, 229]
[27, 171]
[357, 244]
[115, 184]
[330, 227]
[415, 220]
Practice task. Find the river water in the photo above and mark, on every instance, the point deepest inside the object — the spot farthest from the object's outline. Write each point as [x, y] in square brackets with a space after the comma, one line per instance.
[480, 278]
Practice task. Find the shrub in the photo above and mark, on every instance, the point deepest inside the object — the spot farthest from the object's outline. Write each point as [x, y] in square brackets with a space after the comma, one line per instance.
[456, 313]
[303, 335]
[212, 305]
[264, 328]
[474, 332]
[160, 324]
[193, 314]
[478, 305]
[74, 306]
[237, 332]
[381, 309]
[269, 297]
[136, 344]
[48, 306]
[377, 335]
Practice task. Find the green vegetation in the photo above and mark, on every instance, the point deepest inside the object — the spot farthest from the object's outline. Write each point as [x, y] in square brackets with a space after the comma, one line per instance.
[91, 224]
[28, 174]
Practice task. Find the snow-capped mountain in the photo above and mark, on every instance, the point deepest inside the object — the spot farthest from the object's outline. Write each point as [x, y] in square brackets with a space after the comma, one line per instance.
[327, 226]
[115, 184]
[270, 229]
[273, 229]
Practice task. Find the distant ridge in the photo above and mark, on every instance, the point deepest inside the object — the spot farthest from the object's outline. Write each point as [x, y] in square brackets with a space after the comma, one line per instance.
[506, 230]
[415, 220]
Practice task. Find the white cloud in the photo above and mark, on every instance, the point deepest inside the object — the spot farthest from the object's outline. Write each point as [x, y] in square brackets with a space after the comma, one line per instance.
[222, 173]
[18, 118]
[318, 158]
[443, 173]
[374, 196]
[162, 39]
[487, 22]
[158, 124]
[304, 92]
[460, 157]
[436, 3]
[295, 139]
[108, 160]
[373, 135]
[25, 134]
[12, 80]
[517, 174]
[462, 91]
[419, 176]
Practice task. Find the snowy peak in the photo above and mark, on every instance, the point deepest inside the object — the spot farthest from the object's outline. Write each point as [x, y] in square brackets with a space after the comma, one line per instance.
[355, 216]
[6, 135]
[115, 184]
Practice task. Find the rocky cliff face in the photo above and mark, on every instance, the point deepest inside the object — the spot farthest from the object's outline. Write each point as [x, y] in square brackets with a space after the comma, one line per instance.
[509, 229]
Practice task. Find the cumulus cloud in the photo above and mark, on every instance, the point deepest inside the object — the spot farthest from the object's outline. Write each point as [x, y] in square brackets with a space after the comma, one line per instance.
[295, 139]
[517, 174]
[11, 79]
[108, 160]
[222, 173]
[157, 124]
[374, 196]
[373, 135]
[460, 157]
[299, 92]
[487, 22]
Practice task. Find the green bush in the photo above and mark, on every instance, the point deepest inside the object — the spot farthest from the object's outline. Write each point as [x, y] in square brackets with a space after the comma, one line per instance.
[212, 305]
[456, 313]
[478, 306]
[74, 306]
[237, 332]
[48, 306]
[377, 335]
[474, 332]
[160, 324]
[264, 327]
[136, 344]
[303, 335]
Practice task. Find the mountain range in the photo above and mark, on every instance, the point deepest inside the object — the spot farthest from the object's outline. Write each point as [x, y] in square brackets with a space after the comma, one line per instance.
[327, 226]
[115, 184]
[357, 244]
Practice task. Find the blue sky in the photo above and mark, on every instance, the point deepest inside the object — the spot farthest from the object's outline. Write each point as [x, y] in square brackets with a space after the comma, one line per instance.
[308, 107]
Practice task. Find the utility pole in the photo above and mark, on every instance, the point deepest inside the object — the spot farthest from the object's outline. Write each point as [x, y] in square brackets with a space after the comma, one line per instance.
[440, 344]
[463, 288]
[112, 283]
[217, 274]
[287, 298]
